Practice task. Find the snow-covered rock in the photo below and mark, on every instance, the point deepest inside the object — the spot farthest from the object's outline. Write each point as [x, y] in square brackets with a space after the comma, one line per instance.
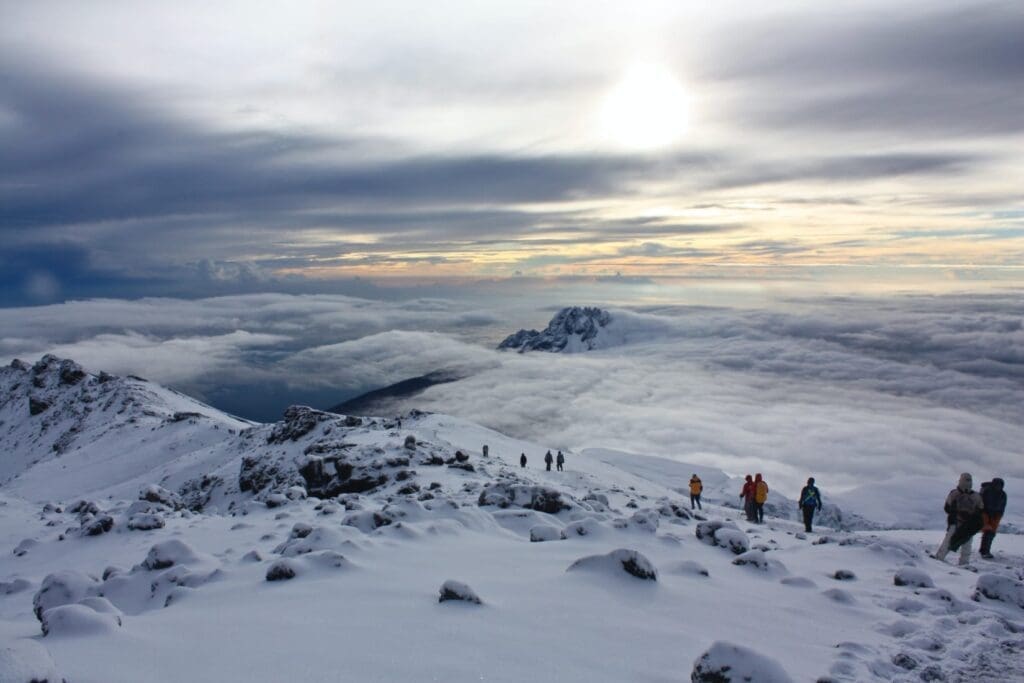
[913, 577]
[729, 663]
[614, 563]
[62, 588]
[724, 535]
[281, 570]
[145, 522]
[78, 620]
[169, 553]
[458, 591]
[1001, 588]
[538, 498]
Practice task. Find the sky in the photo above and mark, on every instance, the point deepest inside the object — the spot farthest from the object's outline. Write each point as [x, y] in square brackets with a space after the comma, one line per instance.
[191, 149]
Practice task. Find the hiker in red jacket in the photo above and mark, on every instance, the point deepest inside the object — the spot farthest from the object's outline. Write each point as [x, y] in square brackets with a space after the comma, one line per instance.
[748, 494]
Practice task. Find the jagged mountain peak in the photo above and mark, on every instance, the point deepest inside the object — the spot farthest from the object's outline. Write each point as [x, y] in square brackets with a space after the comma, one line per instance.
[572, 329]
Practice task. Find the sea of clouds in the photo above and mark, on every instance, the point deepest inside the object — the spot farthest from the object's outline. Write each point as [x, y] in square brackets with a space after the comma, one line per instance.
[850, 390]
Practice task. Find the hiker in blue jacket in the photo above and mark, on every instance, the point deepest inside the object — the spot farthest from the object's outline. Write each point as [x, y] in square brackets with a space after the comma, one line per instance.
[810, 501]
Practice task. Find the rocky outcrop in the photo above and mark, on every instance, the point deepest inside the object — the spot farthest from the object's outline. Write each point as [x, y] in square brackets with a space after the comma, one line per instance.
[572, 328]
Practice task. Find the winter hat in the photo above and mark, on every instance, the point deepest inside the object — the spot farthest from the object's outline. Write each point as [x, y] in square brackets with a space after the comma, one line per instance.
[998, 483]
[810, 481]
[966, 482]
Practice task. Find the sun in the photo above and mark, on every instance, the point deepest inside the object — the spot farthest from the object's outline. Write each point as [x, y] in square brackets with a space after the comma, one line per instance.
[647, 109]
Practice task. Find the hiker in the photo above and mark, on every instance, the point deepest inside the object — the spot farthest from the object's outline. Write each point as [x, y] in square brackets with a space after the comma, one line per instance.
[696, 487]
[548, 460]
[760, 496]
[559, 461]
[810, 501]
[963, 519]
[522, 459]
[747, 494]
[993, 499]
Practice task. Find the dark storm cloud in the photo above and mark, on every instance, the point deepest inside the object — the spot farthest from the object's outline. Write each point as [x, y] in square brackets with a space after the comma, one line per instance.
[923, 71]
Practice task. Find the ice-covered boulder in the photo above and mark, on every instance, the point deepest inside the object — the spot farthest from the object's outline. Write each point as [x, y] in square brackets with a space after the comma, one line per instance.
[1001, 588]
[62, 588]
[456, 590]
[625, 560]
[915, 578]
[728, 663]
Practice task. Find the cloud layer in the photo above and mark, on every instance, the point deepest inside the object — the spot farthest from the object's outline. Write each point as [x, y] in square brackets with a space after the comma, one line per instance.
[851, 390]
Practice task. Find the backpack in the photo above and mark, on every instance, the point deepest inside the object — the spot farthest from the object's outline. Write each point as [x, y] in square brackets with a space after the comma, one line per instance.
[761, 493]
[810, 498]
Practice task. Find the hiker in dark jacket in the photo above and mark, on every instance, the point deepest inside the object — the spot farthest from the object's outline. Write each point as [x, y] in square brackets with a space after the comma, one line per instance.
[559, 461]
[963, 519]
[810, 501]
[993, 499]
[522, 459]
[548, 460]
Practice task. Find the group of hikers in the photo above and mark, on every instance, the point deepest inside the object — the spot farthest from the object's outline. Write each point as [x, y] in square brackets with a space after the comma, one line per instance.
[558, 460]
[755, 495]
[968, 512]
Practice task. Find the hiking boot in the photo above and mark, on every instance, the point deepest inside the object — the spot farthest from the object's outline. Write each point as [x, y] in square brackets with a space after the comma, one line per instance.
[988, 556]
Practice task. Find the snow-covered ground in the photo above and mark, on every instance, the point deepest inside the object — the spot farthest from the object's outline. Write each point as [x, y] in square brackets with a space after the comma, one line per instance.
[203, 509]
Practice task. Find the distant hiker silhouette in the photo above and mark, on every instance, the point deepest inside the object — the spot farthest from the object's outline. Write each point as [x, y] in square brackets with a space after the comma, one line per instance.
[747, 494]
[559, 461]
[760, 496]
[696, 487]
[548, 460]
[994, 500]
[522, 459]
[963, 509]
[810, 501]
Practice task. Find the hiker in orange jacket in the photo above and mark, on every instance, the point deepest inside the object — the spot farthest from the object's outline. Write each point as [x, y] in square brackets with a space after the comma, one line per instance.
[696, 487]
[760, 496]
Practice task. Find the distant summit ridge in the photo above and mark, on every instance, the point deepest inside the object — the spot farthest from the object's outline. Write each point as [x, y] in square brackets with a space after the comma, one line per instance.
[573, 329]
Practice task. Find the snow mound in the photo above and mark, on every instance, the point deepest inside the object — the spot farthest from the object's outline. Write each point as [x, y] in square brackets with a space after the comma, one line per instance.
[24, 661]
[456, 590]
[1001, 588]
[728, 663]
[14, 586]
[622, 560]
[78, 620]
[688, 568]
[915, 578]
[546, 532]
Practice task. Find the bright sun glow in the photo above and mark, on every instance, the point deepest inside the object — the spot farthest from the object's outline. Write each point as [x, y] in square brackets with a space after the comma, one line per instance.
[646, 110]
